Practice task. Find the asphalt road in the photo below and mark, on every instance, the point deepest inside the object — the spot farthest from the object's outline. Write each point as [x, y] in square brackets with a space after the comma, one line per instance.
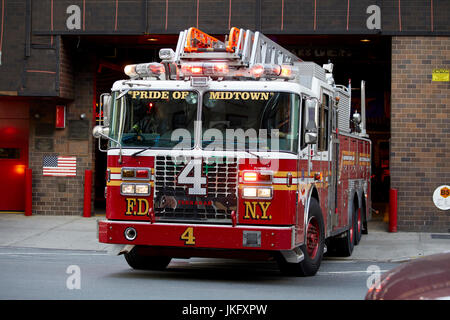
[29, 273]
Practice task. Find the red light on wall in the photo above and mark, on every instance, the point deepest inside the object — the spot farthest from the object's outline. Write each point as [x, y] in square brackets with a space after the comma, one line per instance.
[60, 117]
[19, 169]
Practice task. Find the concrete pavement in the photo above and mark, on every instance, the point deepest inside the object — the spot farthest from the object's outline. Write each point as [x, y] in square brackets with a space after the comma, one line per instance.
[79, 233]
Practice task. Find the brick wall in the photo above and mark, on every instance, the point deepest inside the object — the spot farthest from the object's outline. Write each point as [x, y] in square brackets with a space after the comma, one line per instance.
[63, 195]
[420, 131]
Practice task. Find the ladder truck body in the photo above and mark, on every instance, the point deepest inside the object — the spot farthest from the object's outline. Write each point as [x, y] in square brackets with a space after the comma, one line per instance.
[233, 149]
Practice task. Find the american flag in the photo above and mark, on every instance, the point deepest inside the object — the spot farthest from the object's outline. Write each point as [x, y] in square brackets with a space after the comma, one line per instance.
[60, 166]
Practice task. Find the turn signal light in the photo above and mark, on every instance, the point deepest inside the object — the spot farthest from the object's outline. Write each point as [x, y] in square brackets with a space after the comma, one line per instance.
[258, 176]
[135, 173]
[143, 174]
[250, 176]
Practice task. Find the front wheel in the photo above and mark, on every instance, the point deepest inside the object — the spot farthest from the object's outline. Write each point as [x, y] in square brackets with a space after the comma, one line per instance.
[138, 261]
[312, 248]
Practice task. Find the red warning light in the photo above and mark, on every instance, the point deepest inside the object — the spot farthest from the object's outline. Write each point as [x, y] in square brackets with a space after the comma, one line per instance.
[150, 107]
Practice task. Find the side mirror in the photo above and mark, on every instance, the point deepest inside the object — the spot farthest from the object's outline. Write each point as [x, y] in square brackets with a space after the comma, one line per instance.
[105, 103]
[310, 137]
[311, 114]
[100, 132]
[357, 121]
[356, 118]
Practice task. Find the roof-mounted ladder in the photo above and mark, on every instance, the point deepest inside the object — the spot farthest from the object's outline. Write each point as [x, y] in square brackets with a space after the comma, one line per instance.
[243, 48]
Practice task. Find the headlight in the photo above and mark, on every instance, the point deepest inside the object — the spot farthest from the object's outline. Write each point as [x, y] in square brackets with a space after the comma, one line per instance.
[127, 188]
[142, 189]
[264, 192]
[249, 192]
[257, 192]
[135, 189]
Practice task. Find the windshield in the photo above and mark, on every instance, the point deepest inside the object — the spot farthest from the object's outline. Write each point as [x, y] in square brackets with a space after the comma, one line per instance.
[151, 118]
[231, 120]
[260, 121]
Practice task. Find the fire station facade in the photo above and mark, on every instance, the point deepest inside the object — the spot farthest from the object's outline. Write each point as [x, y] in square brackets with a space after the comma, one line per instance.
[57, 57]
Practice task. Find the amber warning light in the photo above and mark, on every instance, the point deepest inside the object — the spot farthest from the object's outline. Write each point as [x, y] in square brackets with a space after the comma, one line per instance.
[153, 69]
[258, 176]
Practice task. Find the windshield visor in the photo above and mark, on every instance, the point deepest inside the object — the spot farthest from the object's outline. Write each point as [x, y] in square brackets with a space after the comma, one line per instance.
[151, 118]
[254, 121]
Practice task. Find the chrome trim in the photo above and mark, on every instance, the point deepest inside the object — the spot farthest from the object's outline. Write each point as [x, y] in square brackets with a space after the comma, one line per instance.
[293, 256]
[130, 233]
[245, 242]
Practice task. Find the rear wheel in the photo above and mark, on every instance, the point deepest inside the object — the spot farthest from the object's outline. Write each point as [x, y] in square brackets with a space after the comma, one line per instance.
[358, 225]
[143, 262]
[342, 245]
[312, 248]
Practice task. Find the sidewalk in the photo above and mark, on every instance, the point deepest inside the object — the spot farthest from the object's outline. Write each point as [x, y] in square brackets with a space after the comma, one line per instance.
[79, 233]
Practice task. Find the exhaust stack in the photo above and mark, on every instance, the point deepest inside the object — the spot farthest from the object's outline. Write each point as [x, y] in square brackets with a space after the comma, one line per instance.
[363, 109]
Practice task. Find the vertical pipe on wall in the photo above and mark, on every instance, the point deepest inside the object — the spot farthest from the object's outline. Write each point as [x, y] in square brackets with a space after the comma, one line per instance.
[393, 210]
[28, 29]
[1, 30]
[28, 192]
[87, 193]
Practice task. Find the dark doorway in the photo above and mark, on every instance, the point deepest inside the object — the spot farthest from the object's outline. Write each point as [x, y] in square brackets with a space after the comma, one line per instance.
[14, 135]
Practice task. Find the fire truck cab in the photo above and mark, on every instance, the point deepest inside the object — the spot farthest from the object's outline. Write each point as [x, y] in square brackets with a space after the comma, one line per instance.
[233, 149]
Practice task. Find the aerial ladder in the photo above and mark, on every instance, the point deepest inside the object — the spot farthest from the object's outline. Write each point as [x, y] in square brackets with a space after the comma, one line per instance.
[241, 48]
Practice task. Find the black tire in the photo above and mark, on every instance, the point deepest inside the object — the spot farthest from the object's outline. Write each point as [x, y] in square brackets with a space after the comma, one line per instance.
[312, 249]
[357, 225]
[345, 244]
[142, 262]
[365, 229]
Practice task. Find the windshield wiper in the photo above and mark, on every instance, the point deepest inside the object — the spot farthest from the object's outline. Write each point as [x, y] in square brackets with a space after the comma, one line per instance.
[245, 150]
[140, 151]
[149, 147]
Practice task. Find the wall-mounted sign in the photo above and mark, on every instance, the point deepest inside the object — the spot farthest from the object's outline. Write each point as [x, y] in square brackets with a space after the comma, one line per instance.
[78, 129]
[441, 75]
[441, 197]
[60, 122]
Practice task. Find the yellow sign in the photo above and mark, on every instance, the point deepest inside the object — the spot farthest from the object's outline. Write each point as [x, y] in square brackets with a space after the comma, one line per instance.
[188, 236]
[137, 207]
[236, 95]
[251, 211]
[445, 192]
[441, 75]
[175, 95]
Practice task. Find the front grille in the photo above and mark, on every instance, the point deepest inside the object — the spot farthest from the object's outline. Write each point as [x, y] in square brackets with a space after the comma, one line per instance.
[172, 201]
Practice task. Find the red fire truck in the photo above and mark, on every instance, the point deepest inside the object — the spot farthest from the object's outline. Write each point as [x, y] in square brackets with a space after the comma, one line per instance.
[233, 148]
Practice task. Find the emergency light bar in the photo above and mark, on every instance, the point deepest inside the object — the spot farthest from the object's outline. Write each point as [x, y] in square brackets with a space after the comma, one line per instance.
[217, 69]
[272, 71]
[153, 69]
[211, 69]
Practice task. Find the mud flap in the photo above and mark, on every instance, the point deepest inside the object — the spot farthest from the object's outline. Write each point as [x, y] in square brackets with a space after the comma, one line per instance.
[119, 249]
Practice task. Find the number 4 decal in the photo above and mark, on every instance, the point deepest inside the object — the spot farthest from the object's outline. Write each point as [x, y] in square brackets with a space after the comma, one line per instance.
[195, 179]
[188, 236]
